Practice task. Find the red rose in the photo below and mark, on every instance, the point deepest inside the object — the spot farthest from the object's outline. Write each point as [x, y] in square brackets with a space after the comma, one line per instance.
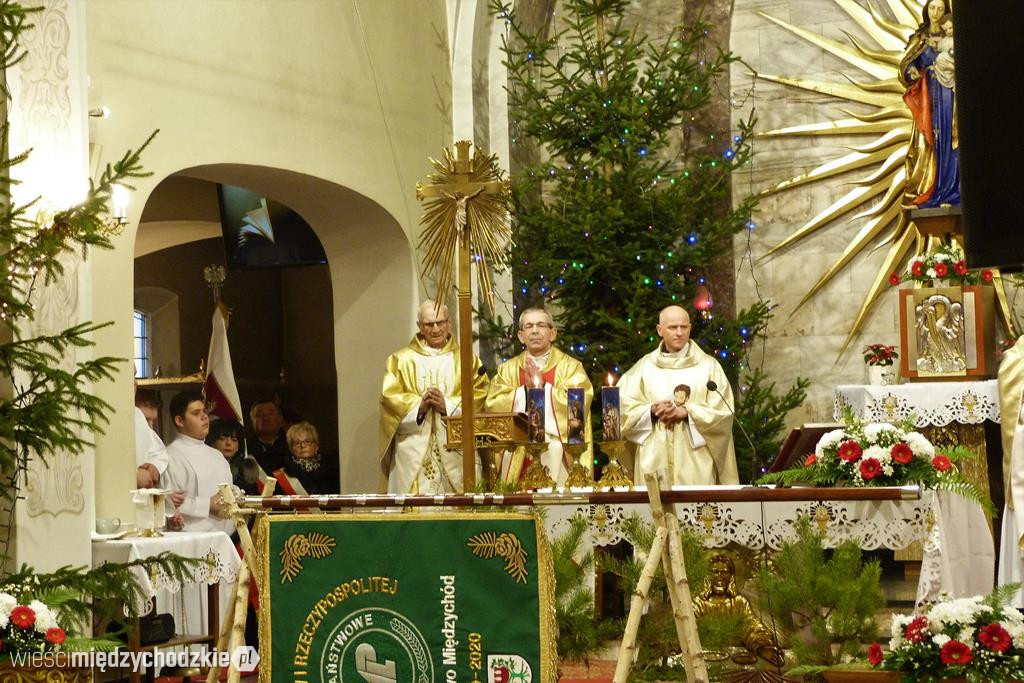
[870, 468]
[941, 269]
[56, 635]
[955, 653]
[960, 267]
[916, 629]
[986, 275]
[902, 454]
[810, 460]
[894, 279]
[941, 462]
[23, 617]
[849, 451]
[994, 637]
[874, 654]
[917, 268]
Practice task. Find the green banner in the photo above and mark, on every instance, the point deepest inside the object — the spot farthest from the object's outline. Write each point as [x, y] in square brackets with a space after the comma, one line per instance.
[406, 598]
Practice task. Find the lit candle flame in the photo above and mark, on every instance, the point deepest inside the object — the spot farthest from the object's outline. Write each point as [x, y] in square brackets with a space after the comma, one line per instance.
[611, 380]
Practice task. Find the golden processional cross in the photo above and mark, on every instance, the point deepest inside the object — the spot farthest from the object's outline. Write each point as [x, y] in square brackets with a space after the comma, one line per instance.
[466, 211]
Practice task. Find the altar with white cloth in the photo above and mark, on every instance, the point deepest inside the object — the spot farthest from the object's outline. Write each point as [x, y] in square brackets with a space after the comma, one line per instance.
[958, 558]
[186, 603]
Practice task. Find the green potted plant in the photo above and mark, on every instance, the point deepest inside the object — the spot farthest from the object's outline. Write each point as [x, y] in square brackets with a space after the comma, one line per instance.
[824, 602]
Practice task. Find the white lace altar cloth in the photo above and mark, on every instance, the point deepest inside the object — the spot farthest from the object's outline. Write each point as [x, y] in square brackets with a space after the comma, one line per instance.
[187, 604]
[961, 563]
[931, 404]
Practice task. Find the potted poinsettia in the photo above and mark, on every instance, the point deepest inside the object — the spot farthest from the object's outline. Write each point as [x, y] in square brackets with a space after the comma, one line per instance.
[879, 359]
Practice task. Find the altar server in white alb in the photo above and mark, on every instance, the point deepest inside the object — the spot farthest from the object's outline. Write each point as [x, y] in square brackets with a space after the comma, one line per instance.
[196, 470]
[687, 433]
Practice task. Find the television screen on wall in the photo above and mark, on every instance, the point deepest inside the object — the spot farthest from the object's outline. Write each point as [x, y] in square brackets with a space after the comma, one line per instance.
[260, 232]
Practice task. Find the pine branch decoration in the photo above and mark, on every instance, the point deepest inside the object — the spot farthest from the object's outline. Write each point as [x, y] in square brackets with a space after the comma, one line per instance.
[298, 546]
[507, 546]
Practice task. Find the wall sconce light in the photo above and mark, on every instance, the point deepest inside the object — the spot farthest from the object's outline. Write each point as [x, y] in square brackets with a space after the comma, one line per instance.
[119, 196]
[100, 112]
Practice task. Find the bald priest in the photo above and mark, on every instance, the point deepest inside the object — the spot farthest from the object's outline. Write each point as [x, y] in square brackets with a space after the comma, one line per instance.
[677, 409]
[422, 384]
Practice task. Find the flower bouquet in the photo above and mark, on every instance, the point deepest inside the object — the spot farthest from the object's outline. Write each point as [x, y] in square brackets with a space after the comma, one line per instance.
[945, 263]
[880, 454]
[32, 627]
[980, 638]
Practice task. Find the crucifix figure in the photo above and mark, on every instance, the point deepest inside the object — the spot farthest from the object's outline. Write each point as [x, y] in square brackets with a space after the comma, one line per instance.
[466, 205]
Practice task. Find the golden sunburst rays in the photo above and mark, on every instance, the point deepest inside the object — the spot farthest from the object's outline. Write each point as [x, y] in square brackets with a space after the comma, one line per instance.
[876, 198]
[463, 191]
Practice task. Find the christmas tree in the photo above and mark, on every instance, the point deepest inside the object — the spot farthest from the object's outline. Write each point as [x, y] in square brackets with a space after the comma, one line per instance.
[617, 212]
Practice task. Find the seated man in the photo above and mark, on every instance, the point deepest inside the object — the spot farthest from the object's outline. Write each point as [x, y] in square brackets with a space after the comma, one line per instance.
[196, 470]
[150, 452]
[269, 448]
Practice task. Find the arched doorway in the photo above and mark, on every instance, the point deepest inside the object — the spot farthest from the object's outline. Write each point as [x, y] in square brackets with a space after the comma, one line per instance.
[315, 335]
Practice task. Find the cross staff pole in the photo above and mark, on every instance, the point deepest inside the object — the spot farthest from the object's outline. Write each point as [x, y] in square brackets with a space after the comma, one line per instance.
[462, 191]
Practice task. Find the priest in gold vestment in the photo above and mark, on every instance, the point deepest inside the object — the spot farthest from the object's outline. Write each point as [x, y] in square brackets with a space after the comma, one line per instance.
[542, 364]
[692, 440]
[422, 384]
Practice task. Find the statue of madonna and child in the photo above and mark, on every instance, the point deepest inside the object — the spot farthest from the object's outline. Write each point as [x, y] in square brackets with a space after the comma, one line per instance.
[926, 70]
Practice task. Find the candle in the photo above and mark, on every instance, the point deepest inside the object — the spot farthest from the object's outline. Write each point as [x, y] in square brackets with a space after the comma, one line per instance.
[610, 411]
[535, 414]
[577, 420]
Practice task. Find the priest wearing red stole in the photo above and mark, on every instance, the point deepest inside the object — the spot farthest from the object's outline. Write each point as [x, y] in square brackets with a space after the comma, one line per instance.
[542, 365]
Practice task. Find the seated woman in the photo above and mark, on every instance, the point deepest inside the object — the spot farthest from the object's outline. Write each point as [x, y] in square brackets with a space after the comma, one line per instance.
[317, 472]
[226, 436]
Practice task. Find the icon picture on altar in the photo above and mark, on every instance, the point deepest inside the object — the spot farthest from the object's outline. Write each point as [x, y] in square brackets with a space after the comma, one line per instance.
[681, 394]
[576, 420]
[535, 419]
[610, 422]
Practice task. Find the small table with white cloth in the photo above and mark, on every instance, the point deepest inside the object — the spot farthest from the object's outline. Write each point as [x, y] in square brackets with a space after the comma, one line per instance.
[188, 604]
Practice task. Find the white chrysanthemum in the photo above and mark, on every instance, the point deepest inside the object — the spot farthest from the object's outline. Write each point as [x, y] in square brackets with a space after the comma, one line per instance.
[941, 639]
[898, 627]
[887, 469]
[878, 453]
[871, 431]
[921, 446]
[7, 603]
[941, 256]
[832, 438]
[956, 613]
[45, 618]
[1015, 629]
[930, 273]
[966, 634]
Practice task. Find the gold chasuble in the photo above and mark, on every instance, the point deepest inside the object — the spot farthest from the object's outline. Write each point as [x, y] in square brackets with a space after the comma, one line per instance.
[561, 372]
[698, 451]
[1011, 390]
[412, 454]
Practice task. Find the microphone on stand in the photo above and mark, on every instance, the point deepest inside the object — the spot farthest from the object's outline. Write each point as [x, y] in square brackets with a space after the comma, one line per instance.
[713, 386]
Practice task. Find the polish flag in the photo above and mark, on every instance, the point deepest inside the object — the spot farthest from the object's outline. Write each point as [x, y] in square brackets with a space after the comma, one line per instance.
[221, 393]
